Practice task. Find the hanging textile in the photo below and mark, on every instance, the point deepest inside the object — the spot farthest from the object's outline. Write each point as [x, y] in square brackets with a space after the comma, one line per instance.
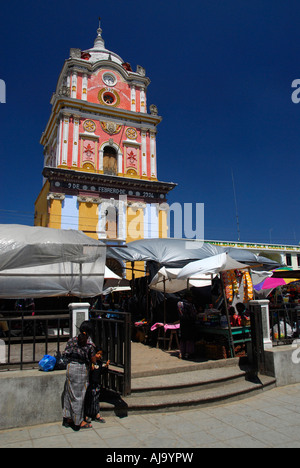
[238, 285]
[248, 286]
[230, 284]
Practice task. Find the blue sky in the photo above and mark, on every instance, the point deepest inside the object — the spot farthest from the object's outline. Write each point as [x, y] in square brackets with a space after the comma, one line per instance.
[221, 75]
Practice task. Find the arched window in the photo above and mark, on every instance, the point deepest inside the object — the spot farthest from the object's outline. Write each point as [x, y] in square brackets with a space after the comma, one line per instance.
[110, 161]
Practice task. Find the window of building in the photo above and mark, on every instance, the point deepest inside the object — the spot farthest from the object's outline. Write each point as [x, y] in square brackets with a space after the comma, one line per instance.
[110, 161]
[288, 259]
[109, 98]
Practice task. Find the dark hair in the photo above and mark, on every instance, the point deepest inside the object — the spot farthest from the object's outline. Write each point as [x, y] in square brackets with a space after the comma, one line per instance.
[82, 340]
[86, 327]
[86, 330]
[240, 307]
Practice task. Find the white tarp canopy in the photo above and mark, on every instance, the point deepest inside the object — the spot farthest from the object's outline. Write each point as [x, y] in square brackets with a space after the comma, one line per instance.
[196, 274]
[210, 266]
[166, 280]
[176, 253]
[114, 283]
[44, 262]
[24, 246]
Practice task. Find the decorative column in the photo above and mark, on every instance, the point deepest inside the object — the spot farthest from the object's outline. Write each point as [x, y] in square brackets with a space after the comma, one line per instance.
[144, 151]
[153, 154]
[84, 87]
[133, 98]
[120, 162]
[75, 141]
[58, 144]
[65, 140]
[143, 100]
[74, 85]
[122, 221]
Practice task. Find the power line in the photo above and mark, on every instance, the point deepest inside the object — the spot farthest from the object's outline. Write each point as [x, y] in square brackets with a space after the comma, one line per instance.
[236, 208]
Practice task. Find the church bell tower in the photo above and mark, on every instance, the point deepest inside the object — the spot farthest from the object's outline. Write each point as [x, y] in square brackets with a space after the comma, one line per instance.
[100, 161]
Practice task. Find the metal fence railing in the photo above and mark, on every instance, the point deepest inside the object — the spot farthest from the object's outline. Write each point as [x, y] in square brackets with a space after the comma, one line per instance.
[284, 325]
[113, 334]
[25, 339]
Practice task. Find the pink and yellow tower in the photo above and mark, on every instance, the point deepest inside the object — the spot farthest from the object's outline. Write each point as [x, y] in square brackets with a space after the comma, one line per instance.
[100, 161]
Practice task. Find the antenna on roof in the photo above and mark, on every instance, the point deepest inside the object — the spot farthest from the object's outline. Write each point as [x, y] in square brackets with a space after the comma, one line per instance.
[236, 208]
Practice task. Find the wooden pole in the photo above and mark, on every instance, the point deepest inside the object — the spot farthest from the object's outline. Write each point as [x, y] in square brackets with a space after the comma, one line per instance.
[231, 342]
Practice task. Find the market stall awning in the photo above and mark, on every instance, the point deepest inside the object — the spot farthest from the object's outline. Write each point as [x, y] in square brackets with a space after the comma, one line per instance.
[171, 252]
[196, 274]
[176, 253]
[166, 280]
[26, 246]
[114, 283]
[210, 266]
[42, 262]
[57, 279]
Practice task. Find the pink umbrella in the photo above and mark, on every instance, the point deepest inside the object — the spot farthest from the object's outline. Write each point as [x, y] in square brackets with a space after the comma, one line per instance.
[271, 283]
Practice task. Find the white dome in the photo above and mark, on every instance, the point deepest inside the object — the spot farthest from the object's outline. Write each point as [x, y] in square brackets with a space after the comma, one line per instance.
[99, 52]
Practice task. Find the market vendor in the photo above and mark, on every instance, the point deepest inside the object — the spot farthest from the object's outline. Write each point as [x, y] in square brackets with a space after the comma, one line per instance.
[235, 319]
[243, 311]
[188, 315]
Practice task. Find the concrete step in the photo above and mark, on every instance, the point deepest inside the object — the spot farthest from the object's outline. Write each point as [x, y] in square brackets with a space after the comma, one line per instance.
[190, 380]
[162, 363]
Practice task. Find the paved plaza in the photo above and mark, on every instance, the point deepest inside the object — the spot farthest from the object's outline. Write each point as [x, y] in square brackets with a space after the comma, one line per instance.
[269, 420]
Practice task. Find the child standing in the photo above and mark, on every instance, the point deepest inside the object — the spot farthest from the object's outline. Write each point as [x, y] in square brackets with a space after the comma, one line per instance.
[92, 398]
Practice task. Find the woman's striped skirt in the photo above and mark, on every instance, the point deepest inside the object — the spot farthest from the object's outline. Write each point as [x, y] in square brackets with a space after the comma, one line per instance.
[74, 392]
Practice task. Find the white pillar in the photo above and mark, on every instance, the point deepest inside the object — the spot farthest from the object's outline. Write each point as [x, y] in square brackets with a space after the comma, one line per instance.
[74, 85]
[142, 100]
[65, 140]
[133, 99]
[153, 154]
[75, 141]
[58, 142]
[84, 87]
[144, 152]
[80, 313]
[264, 307]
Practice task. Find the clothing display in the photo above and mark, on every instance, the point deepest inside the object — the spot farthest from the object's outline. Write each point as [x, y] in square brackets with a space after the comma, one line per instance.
[238, 284]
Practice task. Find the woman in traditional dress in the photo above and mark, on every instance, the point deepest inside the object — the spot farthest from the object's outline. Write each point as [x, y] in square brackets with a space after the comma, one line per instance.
[80, 353]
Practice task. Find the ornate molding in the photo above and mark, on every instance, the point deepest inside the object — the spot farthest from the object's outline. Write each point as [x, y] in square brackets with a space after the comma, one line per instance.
[88, 199]
[111, 127]
[56, 196]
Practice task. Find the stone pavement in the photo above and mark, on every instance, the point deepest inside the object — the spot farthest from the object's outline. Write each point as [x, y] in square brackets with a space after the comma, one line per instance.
[271, 419]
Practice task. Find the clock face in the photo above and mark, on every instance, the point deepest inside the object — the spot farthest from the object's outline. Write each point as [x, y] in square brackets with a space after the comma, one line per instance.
[109, 79]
